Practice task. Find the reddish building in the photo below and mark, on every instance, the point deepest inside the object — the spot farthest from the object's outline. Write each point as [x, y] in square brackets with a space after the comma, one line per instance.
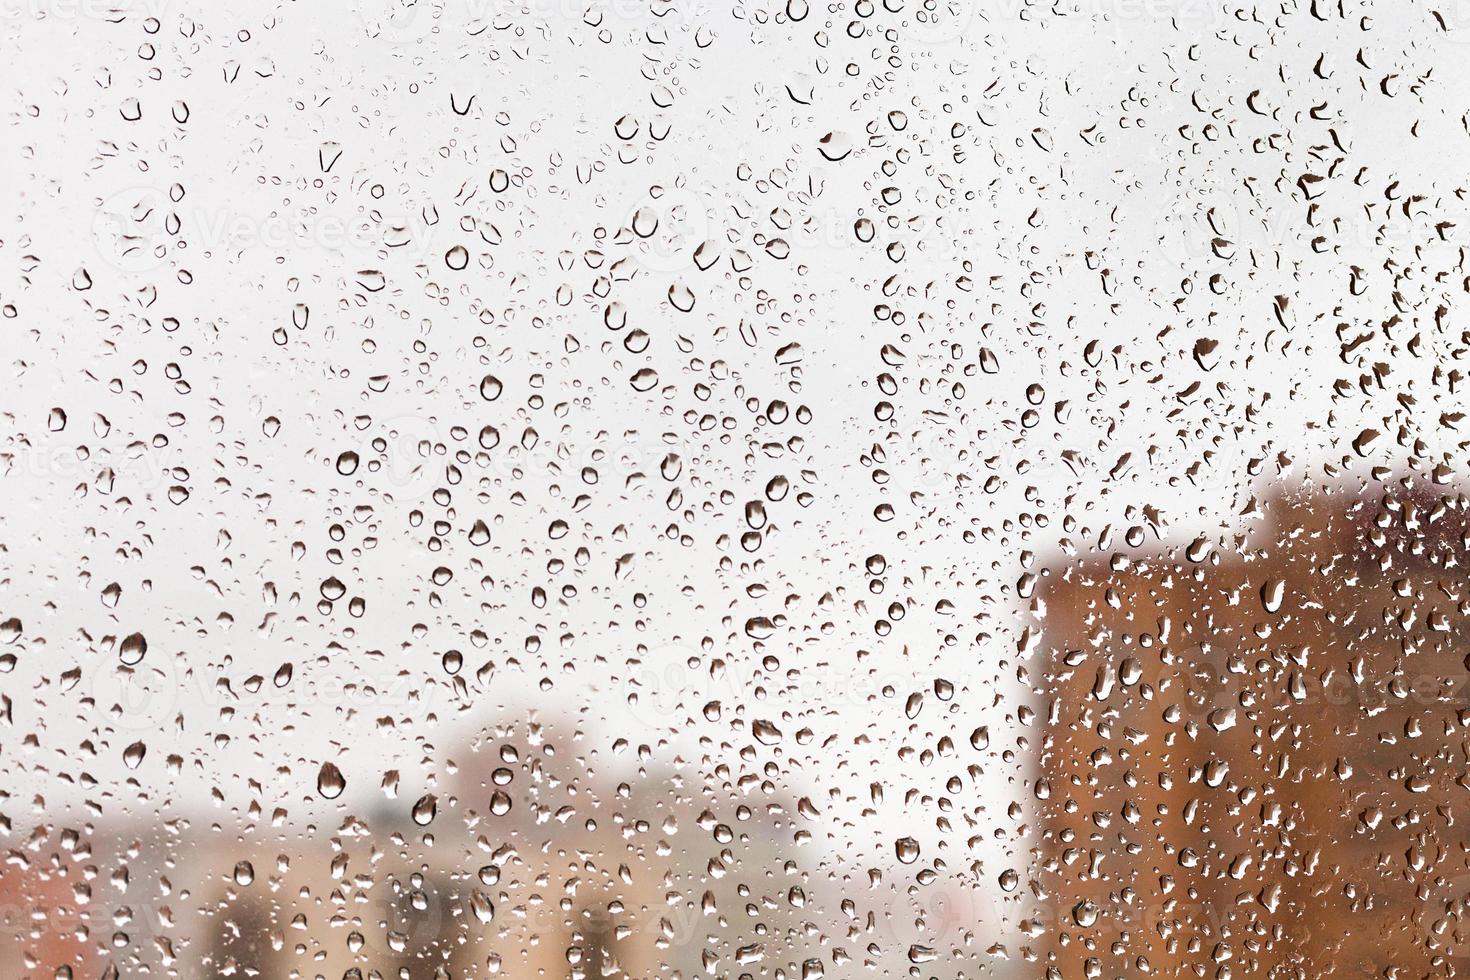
[1255, 761]
[46, 926]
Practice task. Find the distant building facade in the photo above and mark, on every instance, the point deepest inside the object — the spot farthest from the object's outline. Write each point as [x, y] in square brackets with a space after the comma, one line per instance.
[1254, 763]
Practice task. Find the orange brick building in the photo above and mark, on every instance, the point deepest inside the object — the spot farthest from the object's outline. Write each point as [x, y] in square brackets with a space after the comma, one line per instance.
[1254, 762]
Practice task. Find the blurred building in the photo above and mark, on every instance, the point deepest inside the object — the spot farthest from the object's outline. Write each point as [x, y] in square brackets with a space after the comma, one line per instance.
[42, 929]
[1254, 761]
[530, 862]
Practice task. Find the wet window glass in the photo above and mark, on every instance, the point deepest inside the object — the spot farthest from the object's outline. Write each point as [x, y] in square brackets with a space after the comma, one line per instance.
[734, 489]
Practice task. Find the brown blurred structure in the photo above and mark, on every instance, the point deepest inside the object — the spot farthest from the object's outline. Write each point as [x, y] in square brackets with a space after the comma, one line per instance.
[1254, 763]
[41, 923]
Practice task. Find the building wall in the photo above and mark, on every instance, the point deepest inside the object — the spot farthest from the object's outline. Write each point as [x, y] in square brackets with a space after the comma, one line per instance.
[1232, 791]
[45, 923]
